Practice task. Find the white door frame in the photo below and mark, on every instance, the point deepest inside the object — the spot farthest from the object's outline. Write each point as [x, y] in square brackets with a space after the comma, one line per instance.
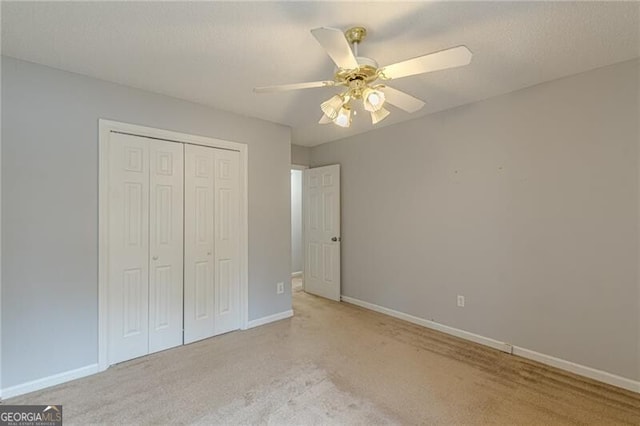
[0, 269]
[106, 127]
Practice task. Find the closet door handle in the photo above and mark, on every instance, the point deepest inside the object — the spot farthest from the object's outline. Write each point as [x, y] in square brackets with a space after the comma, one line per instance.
[155, 258]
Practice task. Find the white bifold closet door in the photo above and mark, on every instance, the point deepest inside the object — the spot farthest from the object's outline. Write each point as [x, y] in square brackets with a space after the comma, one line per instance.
[166, 240]
[212, 274]
[145, 246]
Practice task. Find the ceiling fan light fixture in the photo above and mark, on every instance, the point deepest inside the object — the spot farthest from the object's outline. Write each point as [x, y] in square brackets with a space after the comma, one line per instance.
[372, 99]
[332, 106]
[379, 115]
[344, 117]
[360, 76]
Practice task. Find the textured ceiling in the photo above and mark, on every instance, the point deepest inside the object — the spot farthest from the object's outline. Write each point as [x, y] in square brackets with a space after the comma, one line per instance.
[215, 53]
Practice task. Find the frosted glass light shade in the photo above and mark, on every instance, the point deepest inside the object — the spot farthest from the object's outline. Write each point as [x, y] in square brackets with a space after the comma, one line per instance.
[344, 117]
[379, 115]
[331, 107]
[372, 99]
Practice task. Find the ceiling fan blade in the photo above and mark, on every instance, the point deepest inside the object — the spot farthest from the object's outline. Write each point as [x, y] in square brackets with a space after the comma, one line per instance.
[337, 46]
[325, 120]
[295, 86]
[448, 58]
[401, 100]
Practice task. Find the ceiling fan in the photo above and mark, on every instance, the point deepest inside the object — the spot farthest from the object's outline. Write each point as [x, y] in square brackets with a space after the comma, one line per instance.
[364, 79]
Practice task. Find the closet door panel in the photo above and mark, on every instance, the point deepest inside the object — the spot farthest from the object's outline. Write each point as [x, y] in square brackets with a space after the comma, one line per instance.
[199, 243]
[227, 272]
[128, 297]
[166, 244]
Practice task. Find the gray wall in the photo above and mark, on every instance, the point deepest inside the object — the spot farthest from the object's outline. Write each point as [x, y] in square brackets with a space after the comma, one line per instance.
[296, 221]
[50, 208]
[526, 204]
[300, 155]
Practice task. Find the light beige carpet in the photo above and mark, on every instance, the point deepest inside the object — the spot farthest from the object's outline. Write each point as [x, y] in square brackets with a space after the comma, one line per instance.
[334, 363]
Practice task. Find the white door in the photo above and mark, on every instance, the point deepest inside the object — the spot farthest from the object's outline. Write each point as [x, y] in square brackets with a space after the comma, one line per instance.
[171, 219]
[198, 243]
[165, 244]
[145, 246]
[322, 231]
[227, 247]
[212, 246]
[128, 247]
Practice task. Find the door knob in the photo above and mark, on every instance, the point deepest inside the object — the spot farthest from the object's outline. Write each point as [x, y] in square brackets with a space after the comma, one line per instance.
[155, 257]
[335, 239]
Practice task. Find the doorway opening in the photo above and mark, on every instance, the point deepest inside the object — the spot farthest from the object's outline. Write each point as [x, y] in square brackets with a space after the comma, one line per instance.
[297, 241]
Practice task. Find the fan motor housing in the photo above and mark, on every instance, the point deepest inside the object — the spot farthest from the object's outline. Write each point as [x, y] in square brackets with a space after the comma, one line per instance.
[367, 72]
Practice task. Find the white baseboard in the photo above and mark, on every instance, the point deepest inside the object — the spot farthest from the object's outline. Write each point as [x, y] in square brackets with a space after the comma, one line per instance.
[296, 274]
[501, 346]
[582, 370]
[46, 382]
[270, 318]
[67, 376]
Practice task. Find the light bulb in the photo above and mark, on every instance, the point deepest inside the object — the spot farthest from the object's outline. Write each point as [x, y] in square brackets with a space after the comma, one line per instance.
[342, 120]
[372, 99]
[344, 117]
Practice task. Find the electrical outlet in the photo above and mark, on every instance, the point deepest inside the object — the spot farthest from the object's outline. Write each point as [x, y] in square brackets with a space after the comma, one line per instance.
[460, 301]
[280, 288]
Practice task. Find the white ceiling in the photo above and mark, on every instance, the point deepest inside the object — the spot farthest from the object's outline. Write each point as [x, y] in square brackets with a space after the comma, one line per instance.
[214, 53]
